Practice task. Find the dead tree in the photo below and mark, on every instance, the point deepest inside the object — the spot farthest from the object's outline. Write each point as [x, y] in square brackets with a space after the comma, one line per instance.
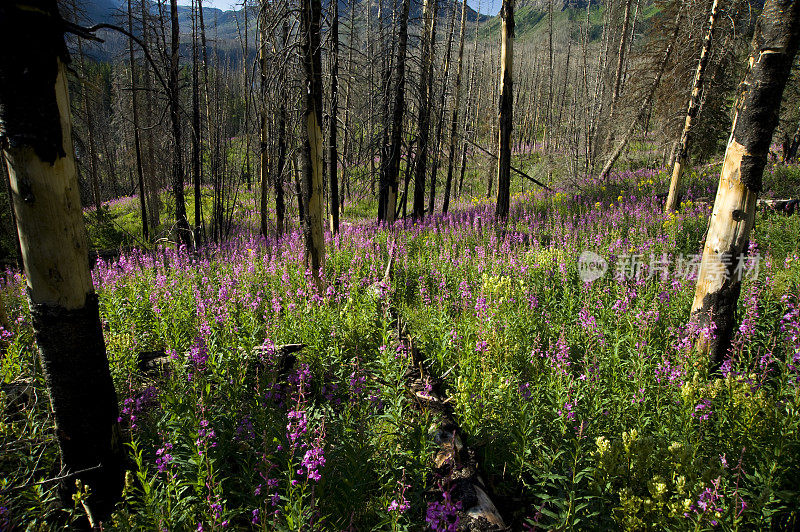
[333, 154]
[719, 281]
[181, 223]
[264, 126]
[392, 168]
[441, 111]
[428, 37]
[87, 116]
[311, 149]
[197, 141]
[615, 93]
[691, 111]
[35, 129]
[612, 159]
[505, 116]
[456, 102]
[136, 140]
[153, 200]
[280, 203]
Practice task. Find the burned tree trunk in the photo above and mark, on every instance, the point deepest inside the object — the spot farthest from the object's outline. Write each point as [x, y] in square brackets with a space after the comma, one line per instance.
[311, 151]
[428, 35]
[264, 125]
[87, 113]
[505, 117]
[392, 169]
[441, 110]
[280, 203]
[149, 167]
[136, 139]
[197, 141]
[35, 128]
[333, 155]
[719, 280]
[456, 101]
[691, 111]
[181, 222]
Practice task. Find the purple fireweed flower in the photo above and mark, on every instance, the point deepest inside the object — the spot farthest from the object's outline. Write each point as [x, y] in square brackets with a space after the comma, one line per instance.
[443, 516]
[402, 505]
[206, 437]
[163, 458]
[702, 410]
[134, 407]
[297, 427]
[313, 460]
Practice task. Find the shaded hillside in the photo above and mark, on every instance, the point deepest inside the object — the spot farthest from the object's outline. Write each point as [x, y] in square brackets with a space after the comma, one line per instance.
[224, 28]
[531, 19]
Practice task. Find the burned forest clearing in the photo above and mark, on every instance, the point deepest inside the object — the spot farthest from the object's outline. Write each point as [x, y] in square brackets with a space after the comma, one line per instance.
[399, 265]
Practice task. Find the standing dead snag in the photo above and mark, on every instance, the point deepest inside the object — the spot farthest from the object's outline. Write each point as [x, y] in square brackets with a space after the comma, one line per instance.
[456, 102]
[333, 153]
[35, 129]
[136, 140]
[428, 40]
[718, 283]
[506, 110]
[311, 152]
[264, 119]
[181, 222]
[392, 169]
[612, 159]
[691, 111]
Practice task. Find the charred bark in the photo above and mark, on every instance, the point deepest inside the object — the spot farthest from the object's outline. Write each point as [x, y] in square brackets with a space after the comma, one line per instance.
[505, 116]
[392, 169]
[719, 282]
[333, 154]
[35, 128]
[181, 222]
[311, 152]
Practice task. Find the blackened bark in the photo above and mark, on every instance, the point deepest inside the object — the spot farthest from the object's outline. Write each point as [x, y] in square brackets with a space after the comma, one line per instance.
[505, 113]
[392, 169]
[181, 222]
[454, 119]
[30, 77]
[35, 127]
[136, 140]
[311, 152]
[197, 168]
[280, 204]
[333, 155]
[421, 168]
[718, 285]
[72, 353]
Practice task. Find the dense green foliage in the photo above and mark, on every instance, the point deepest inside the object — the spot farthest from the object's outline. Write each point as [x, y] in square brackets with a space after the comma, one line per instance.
[585, 401]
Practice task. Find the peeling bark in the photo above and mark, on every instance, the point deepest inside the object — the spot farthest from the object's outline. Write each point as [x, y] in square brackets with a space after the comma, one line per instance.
[35, 127]
[718, 284]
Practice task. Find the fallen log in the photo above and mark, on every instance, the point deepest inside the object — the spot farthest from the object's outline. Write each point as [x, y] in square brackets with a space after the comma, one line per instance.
[153, 363]
[454, 462]
[786, 206]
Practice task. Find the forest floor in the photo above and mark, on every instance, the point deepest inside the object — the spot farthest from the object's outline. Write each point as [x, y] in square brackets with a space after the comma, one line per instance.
[582, 399]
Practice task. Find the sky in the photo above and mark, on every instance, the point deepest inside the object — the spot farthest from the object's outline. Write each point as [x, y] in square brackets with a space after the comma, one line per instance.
[488, 7]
